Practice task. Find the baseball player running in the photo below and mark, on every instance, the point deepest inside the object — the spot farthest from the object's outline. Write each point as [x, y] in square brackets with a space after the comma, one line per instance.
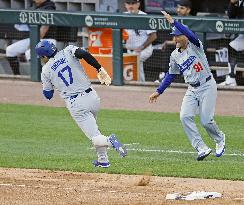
[62, 70]
[189, 59]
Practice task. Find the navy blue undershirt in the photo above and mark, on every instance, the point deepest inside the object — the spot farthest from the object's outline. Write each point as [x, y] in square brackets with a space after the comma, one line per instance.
[83, 54]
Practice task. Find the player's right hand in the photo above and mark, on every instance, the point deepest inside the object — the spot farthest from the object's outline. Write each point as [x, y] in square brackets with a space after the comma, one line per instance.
[153, 98]
[104, 77]
[168, 17]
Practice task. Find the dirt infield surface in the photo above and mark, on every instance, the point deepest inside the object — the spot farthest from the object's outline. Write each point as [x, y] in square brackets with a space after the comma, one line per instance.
[32, 187]
[24, 186]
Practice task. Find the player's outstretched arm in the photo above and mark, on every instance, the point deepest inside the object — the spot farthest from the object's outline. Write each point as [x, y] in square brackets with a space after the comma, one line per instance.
[188, 33]
[169, 78]
[183, 29]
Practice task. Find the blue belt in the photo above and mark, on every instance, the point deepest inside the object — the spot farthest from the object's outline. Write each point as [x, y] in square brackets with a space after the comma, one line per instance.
[74, 96]
[198, 84]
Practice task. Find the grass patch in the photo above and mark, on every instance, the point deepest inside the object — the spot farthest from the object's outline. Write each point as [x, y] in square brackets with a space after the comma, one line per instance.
[48, 138]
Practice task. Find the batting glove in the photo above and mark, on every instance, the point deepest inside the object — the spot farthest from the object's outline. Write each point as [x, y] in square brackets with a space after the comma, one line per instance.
[103, 77]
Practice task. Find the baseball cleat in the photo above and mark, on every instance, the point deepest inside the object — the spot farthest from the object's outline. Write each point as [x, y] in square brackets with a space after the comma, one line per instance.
[229, 81]
[117, 145]
[203, 154]
[101, 164]
[220, 148]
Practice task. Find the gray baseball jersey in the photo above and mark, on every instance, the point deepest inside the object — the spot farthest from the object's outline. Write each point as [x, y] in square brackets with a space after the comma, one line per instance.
[192, 63]
[65, 73]
[200, 96]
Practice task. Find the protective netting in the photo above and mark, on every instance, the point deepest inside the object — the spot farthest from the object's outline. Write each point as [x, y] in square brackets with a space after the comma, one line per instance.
[216, 46]
[217, 50]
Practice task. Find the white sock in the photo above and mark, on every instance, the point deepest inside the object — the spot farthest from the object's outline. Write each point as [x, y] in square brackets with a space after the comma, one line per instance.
[102, 154]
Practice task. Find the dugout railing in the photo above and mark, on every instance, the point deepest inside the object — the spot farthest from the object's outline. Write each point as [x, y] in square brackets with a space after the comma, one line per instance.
[117, 22]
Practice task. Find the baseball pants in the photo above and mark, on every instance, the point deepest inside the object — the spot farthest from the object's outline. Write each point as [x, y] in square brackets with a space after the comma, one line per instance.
[201, 99]
[84, 109]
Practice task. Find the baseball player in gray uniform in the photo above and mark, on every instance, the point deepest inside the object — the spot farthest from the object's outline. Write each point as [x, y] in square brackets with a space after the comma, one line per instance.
[190, 60]
[62, 70]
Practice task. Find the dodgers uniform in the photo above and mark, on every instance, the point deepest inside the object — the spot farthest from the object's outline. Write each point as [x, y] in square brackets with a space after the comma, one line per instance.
[201, 93]
[64, 72]
[74, 87]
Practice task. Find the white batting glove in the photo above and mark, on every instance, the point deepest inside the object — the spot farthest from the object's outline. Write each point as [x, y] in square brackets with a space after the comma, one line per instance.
[104, 77]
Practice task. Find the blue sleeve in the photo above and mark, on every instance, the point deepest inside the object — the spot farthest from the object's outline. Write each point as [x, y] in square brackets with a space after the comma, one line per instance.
[48, 94]
[169, 78]
[188, 33]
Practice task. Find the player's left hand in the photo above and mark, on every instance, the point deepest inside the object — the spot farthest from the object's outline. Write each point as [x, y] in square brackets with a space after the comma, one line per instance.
[104, 77]
[153, 98]
[168, 17]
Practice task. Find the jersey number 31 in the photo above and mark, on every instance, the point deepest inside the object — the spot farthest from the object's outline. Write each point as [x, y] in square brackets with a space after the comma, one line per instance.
[69, 79]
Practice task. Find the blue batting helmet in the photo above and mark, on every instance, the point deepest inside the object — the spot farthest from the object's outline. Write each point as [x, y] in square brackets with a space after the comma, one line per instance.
[45, 48]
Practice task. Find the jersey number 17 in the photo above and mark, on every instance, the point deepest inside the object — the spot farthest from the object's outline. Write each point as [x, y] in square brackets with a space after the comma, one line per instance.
[68, 80]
